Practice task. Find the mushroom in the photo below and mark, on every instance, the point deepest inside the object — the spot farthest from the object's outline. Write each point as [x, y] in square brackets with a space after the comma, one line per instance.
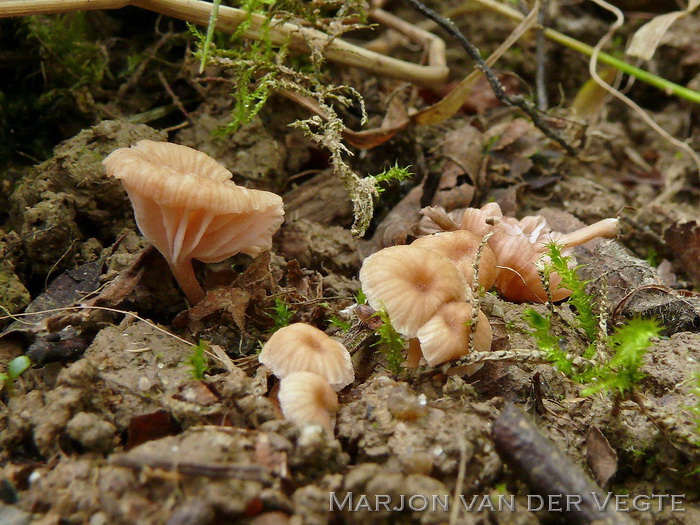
[410, 284]
[520, 245]
[301, 347]
[460, 247]
[445, 337]
[307, 398]
[188, 207]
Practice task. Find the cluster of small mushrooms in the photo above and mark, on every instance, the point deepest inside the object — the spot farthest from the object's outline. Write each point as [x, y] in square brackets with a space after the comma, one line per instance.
[311, 367]
[188, 207]
[427, 288]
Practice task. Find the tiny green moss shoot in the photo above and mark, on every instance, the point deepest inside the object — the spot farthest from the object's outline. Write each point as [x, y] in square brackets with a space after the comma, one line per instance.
[542, 332]
[198, 361]
[696, 410]
[281, 314]
[394, 173]
[628, 344]
[335, 320]
[391, 344]
[586, 319]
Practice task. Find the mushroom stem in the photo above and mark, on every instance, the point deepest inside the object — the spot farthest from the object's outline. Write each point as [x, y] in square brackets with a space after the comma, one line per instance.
[184, 275]
[414, 353]
[607, 228]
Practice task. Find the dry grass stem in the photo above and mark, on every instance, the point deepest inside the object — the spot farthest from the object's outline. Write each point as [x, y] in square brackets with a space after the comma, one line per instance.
[300, 39]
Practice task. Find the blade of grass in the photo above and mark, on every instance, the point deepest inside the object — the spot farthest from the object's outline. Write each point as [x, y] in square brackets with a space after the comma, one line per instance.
[210, 34]
[640, 74]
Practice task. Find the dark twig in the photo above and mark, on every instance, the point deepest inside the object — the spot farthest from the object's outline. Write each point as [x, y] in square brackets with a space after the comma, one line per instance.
[541, 71]
[176, 99]
[497, 87]
[549, 472]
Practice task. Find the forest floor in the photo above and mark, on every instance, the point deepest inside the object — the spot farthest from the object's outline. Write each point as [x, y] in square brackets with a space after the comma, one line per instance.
[108, 426]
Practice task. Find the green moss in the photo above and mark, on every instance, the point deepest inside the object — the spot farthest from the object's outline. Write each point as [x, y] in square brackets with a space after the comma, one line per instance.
[391, 344]
[13, 295]
[281, 314]
[618, 370]
[67, 43]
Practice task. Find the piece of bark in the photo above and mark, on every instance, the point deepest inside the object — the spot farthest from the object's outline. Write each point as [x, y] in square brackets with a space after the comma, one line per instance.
[310, 201]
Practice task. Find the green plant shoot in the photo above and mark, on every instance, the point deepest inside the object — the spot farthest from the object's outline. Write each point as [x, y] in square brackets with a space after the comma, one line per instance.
[15, 369]
[629, 343]
[696, 409]
[626, 346]
[542, 332]
[198, 361]
[391, 174]
[340, 323]
[580, 299]
[281, 314]
[390, 343]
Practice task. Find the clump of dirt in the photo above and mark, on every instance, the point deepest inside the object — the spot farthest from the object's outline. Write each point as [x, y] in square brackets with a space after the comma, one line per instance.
[320, 247]
[252, 154]
[14, 296]
[67, 207]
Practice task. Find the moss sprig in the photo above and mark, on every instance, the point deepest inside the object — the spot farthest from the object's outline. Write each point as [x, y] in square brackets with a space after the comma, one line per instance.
[547, 342]
[628, 345]
[618, 371]
[390, 343]
[281, 314]
[586, 318]
[198, 361]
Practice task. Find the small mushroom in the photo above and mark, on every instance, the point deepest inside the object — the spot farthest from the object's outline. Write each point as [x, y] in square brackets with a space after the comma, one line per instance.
[307, 398]
[410, 284]
[460, 247]
[519, 247]
[301, 347]
[445, 337]
[186, 204]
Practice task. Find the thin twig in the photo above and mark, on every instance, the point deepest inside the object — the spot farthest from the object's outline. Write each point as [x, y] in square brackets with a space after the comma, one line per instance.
[208, 470]
[496, 85]
[176, 99]
[454, 515]
[680, 437]
[541, 71]
[523, 356]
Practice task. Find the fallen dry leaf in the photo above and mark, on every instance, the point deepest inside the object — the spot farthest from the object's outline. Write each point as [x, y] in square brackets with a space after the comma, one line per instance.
[600, 456]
